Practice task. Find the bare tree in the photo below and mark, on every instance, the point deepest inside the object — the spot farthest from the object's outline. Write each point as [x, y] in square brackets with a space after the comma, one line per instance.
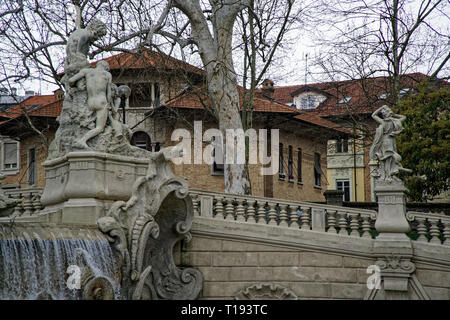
[34, 33]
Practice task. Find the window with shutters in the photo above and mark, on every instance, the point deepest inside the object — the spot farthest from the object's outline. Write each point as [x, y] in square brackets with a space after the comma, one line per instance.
[317, 170]
[10, 156]
[32, 167]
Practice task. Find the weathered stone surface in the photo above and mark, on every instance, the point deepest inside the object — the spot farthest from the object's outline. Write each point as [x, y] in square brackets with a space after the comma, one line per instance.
[265, 291]
[278, 259]
[438, 293]
[235, 245]
[357, 262]
[293, 273]
[204, 244]
[433, 278]
[320, 259]
[348, 291]
[197, 259]
[235, 259]
[311, 290]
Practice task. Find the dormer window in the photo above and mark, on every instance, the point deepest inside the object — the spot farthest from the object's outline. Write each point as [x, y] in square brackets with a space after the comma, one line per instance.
[345, 100]
[308, 102]
[384, 96]
[404, 91]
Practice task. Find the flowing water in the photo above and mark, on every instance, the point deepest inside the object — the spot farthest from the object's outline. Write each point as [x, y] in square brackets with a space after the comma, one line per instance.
[33, 268]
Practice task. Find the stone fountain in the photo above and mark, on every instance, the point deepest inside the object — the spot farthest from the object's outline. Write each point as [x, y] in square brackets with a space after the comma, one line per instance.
[112, 212]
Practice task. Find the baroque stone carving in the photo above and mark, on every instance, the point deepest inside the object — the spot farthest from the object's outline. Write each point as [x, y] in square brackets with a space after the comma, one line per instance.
[89, 119]
[265, 291]
[384, 147]
[145, 229]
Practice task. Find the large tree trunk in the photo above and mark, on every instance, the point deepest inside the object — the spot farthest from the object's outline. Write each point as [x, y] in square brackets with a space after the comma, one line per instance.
[216, 53]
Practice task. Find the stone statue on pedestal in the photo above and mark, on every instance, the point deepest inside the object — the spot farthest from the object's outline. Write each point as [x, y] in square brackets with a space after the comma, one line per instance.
[384, 147]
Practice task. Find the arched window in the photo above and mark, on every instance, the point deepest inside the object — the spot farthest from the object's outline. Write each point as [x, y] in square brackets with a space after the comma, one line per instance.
[142, 140]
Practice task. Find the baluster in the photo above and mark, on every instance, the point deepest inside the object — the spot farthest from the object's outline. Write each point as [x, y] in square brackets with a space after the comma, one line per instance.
[366, 227]
[294, 217]
[446, 232]
[421, 229]
[27, 205]
[37, 205]
[229, 209]
[331, 216]
[434, 231]
[305, 218]
[19, 208]
[283, 215]
[261, 211]
[354, 224]
[272, 216]
[251, 216]
[342, 222]
[240, 210]
[195, 205]
[219, 207]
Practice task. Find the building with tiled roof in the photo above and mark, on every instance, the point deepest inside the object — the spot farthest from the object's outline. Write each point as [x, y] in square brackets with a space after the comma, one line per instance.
[302, 144]
[348, 104]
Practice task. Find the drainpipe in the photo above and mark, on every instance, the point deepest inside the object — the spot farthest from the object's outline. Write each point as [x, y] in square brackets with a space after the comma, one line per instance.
[354, 162]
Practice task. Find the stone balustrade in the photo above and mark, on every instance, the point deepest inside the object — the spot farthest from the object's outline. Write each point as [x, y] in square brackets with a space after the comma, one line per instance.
[31, 201]
[351, 222]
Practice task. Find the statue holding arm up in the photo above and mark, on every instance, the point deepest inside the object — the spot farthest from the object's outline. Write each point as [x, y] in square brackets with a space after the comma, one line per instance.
[384, 147]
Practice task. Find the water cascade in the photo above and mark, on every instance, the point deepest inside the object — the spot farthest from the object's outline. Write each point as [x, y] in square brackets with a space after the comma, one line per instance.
[57, 268]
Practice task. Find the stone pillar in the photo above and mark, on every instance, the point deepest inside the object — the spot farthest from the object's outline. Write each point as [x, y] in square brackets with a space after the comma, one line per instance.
[334, 197]
[393, 248]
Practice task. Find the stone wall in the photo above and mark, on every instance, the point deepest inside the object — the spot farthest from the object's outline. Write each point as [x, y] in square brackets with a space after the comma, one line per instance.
[230, 266]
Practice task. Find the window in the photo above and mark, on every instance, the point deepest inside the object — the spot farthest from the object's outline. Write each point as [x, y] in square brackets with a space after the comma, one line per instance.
[141, 140]
[345, 100]
[281, 173]
[217, 166]
[404, 91]
[157, 95]
[31, 167]
[10, 156]
[383, 96]
[308, 102]
[157, 146]
[290, 165]
[317, 170]
[344, 185]
[342, 146]
[299, 165]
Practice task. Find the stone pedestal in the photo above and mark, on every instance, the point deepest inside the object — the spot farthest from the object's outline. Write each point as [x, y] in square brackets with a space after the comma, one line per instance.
[391, 207]
[82, 185]
[334, 197]
[392, 247]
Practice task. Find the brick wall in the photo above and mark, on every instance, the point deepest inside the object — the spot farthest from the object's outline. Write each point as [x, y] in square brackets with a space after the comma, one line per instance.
[199, 176]
[21, 178]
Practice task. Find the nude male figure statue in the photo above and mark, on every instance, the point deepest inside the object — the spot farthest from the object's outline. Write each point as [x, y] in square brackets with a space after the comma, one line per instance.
[98, 86]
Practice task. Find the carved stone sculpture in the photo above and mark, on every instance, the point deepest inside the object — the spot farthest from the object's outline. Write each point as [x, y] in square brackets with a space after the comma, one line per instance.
[78, 46]
[384, 147]
[145, 229]
[89, 118]
[265, 291]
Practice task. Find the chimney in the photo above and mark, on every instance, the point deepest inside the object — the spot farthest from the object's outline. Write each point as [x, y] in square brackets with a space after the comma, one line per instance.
[59, 94]
[267, 88]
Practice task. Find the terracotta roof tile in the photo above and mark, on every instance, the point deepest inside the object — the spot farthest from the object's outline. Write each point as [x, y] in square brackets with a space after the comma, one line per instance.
[30, 104]
[365, 95]
[148, 59]
[190, 100]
